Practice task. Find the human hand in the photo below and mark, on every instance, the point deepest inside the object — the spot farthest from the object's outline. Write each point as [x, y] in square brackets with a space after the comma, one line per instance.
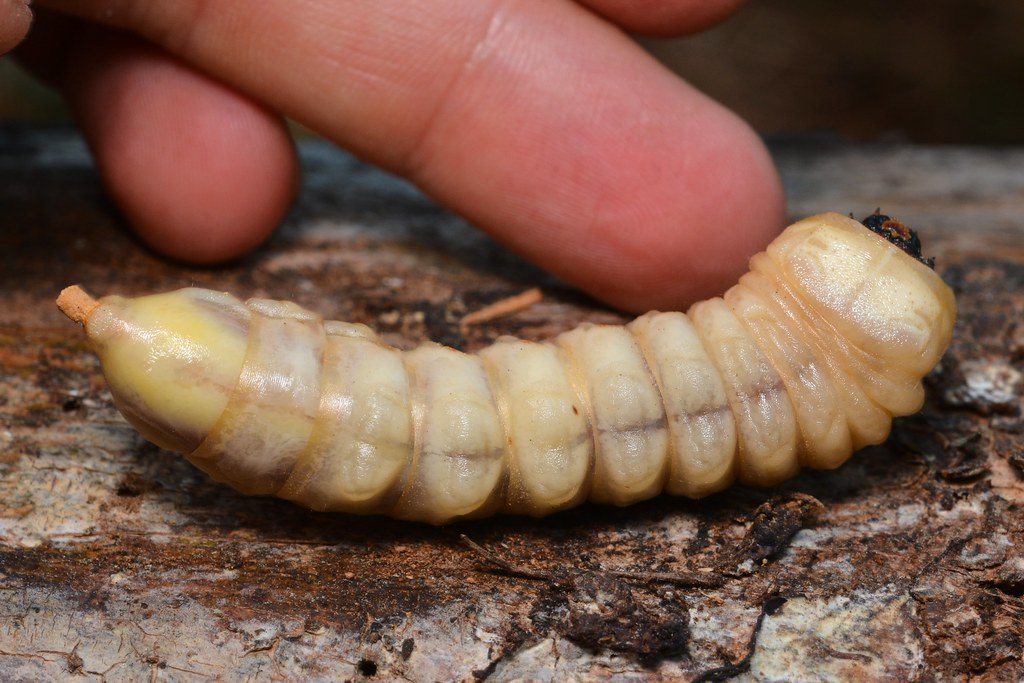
[540, 121]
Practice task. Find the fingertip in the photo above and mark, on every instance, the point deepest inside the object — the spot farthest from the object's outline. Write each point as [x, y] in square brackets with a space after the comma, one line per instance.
[15, 20]
[202, 174]
[215, 201]
[672, 265]
[602, 167]
[682, 229]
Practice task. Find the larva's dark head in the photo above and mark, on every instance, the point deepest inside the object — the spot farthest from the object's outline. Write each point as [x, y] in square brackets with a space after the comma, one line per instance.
[898, 233]
[887, 303]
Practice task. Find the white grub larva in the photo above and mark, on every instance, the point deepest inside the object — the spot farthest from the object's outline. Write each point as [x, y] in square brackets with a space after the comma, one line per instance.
[802, 362]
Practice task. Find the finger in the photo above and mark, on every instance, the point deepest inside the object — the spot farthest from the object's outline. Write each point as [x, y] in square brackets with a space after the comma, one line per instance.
[538, 121]
[15, 19]
[664, 17]
[203, 174]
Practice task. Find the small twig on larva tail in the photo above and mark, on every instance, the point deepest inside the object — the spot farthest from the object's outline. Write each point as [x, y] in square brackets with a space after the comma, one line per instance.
[76, 304]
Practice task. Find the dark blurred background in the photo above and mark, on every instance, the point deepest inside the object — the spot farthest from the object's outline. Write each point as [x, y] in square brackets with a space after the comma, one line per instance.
[941, 71]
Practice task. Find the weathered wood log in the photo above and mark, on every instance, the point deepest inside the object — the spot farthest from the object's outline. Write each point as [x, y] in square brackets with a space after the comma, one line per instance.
[119, 561]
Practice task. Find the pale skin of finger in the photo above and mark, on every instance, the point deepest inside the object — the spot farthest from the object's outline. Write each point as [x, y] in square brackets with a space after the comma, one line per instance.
[538, 121]
[15, 19]
[203, 173]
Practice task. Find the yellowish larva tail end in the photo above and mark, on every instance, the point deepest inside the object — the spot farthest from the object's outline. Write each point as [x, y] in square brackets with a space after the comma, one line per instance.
[76, 304]
[199, 339]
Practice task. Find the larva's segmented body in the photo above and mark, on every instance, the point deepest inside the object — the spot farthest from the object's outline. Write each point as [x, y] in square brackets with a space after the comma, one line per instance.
[802, 362]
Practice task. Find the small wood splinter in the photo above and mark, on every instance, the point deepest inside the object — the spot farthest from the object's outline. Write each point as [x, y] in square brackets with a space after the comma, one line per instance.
[503, 307]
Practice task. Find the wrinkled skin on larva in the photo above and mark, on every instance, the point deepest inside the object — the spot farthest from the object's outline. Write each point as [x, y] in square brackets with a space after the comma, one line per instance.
[802, 362]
